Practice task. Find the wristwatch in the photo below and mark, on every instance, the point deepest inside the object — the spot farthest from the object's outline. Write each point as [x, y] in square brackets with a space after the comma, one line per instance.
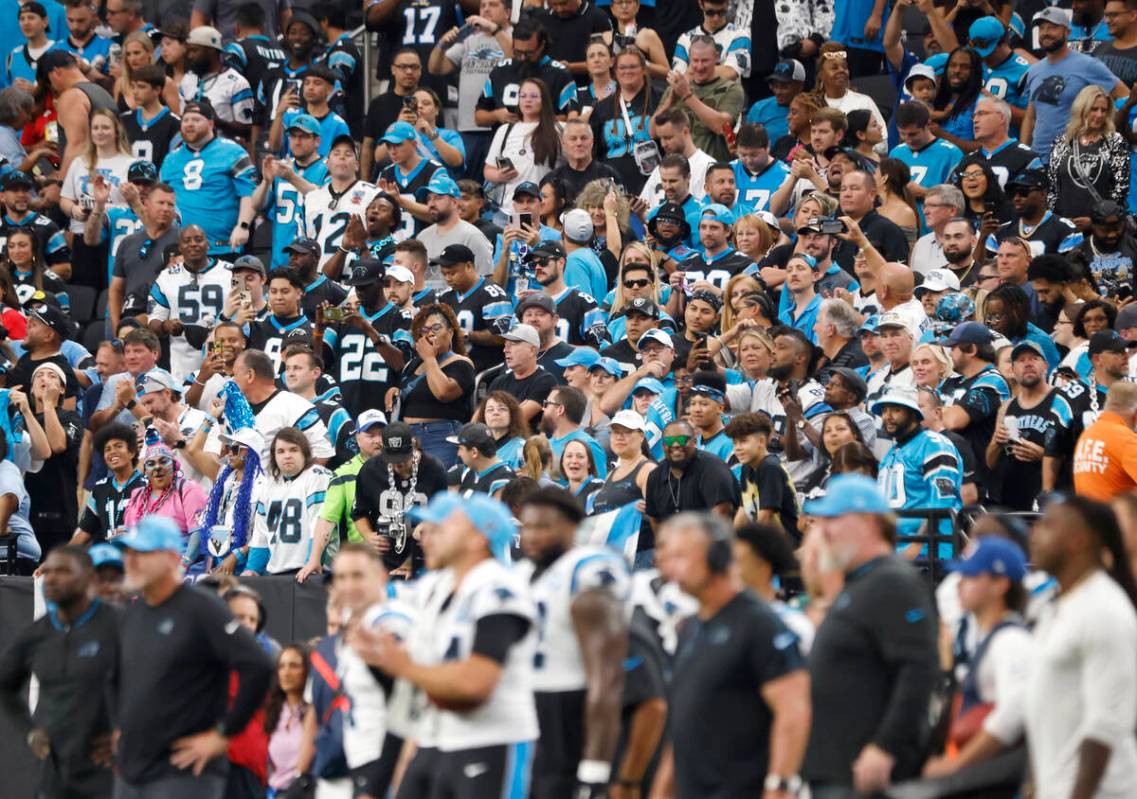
[180, 444]
[243, 225]
[774, 782]
[130, 405]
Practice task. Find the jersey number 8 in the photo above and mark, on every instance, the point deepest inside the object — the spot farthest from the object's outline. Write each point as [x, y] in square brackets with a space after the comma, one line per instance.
[286, 520]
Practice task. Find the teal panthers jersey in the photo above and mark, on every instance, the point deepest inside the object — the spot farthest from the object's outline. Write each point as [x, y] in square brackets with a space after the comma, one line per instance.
[209, 184]
[1006, 80]
[923, 473]
[286, 208]
[121, 221]
[755, 190]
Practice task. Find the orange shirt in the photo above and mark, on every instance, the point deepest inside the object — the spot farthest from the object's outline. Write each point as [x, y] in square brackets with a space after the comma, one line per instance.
[1105, 460]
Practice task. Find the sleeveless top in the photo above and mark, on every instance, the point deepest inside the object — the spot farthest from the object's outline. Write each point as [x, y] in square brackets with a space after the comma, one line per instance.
[617, 493]
[98, 97]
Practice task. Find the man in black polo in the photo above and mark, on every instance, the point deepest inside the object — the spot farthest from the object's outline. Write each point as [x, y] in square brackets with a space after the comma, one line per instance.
[739, 705]
[692, 480]
[71, 650]
[858, 202]
[873, 663]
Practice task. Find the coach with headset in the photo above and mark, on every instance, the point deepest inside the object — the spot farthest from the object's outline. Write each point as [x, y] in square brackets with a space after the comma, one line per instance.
[739, 710]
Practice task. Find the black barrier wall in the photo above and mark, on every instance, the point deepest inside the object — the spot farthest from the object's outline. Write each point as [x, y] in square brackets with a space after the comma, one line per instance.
[294, 612]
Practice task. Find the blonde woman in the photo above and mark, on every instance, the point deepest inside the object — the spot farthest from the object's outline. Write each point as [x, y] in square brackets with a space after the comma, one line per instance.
[137, 52]
[739, 286]
[610, 213]
[638, 279]
[1090, 161]
[931, 365]
[813, 206]
[107, 158]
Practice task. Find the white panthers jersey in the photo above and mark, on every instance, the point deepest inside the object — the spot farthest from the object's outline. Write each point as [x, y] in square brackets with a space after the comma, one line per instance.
[664, 604]
[366, 722]
[412, 716]
[193, 298]
[228, 92]
[450, 617]
[326, 215]
[285, 409]
[287, 513]
[557, 664]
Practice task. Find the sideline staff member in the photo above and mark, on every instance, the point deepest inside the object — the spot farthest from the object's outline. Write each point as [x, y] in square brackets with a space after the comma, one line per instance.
[1105, 460]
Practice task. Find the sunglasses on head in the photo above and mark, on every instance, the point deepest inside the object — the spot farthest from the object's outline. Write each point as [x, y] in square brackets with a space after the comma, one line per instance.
[840, 55]
[675, 441]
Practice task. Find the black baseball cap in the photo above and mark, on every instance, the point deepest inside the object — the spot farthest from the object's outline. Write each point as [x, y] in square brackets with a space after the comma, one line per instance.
[1107, 341]
[18, 178]
[548, 249]
[642, 305]
[853, 381]
[365, 272]
[321, 72]
[54, 59]
[54, 317]
[202, 107]
[398, 443]
[1030, 178]
[304, 247]
[539, 300]
[453, 255]
[476, 434]
[529, 188]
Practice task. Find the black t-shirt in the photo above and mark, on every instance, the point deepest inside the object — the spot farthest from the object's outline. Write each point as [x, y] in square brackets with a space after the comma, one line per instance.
[548, 359]
[504, 84]
[417, 400]
[850, 356]
[535, 387]
[568, 38]
[612, 143]
[574, 181]
[770, 487]
[106, 506]
[884, 234]
[1022, 481]
[174, 670]
[375, 496]
[1122, 62]
[706, 482]
[719, 723]
[381, 114]
[318, 292]
[21, 374]
[624, 354]
[872, 668]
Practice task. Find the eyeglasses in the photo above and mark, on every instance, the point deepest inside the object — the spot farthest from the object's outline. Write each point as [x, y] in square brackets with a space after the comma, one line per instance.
[547, 403]
[435, 329]
[968, 176]
[675, 441]
[407, 67]
[637, 284]
[994, 317]
[542, 261]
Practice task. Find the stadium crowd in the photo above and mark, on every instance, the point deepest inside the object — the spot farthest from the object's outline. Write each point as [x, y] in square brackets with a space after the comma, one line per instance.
[684, 398]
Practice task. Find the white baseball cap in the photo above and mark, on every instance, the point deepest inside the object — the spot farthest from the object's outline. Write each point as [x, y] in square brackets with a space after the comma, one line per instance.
[205, 36]
[578, 226]
[629, 419]
[524, 333]
[400, 274]
[939, 280]
[370, 418]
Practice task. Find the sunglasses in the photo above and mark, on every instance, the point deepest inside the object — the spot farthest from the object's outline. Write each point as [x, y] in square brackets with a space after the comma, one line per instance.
[1021, 191]
[234, 448]
[637, 284]
[714, 12]
[675, 441]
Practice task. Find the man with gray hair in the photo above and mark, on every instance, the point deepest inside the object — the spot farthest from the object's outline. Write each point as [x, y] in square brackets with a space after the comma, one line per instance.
[836, 332]
[751, 671]
[16, 109]
[580, 168]
[1007, 156]
[942, 203]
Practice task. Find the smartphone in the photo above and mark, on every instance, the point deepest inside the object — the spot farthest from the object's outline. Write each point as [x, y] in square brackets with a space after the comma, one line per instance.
[832, 227]
[335, 314]
[524, 220]
[410, 103]
[295, 84]
[990, 207]
[504, 163]
[216, 347]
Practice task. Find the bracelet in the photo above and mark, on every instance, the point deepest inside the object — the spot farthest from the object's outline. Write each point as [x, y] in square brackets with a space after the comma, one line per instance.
[594, 772]
[197, 382]
[496, 30]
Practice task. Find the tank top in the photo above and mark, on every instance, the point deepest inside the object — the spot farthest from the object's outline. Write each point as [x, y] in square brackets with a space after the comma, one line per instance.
[98, 97]
[617, 493]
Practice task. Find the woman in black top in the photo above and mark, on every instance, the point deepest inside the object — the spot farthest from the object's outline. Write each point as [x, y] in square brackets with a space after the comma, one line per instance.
[436, 386]
[627, 480]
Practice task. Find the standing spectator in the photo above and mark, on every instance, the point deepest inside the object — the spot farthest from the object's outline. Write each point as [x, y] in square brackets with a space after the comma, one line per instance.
[102, 518]
[316, 90]
[250, 51]
[580, 167]
[15, 512]
[731, 41]
[151, 127]
[524, 378]
[858, 202]
[1053, 83]
[873, 662]
[673, 129]
[285, 712]
[16, 193]
[786, 82]
[1008, 157]
[1079, 728]
[137, 53]
[449, 229]
[16, 109]
[224, 14]
[762, 684]
[47, 331]
[574, 22]
[210, 80]
[141, 255]
[1104, 463]
[184, 640]
[84, 42]
[168, 494]
[474, 54]
[1034, 221]
[526, 151]
[213, 179]
[954, 105]
[21, 61]
[632, 103]
[124, 17]
[302, 34]
[930, 159]
[709, 100]
[564, 411]
[481, 308]
[1090, 161]
[858, 25]
[342, 57]
[1120, 54]
[690, 480]
[396, 104]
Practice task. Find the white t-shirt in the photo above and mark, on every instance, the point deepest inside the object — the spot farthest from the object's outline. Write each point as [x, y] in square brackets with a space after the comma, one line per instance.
[518, 148]
[77, 183]
[928, 254]
[700, 162]
[853, 101]
[1083, 684]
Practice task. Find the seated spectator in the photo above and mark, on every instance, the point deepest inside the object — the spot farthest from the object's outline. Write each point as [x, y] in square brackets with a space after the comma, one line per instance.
[786, 82]
[833, 84]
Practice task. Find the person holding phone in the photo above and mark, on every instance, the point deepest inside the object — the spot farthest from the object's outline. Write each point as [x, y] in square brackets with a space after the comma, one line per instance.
[526, 150]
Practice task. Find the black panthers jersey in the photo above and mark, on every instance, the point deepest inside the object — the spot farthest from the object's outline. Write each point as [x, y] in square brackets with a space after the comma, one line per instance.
[409, 183]
[582, 321]
[344, 59]
[359, 368]
[417, 24]
[1054, 234]
[1075, 407]
[50, 238]
[106, 506]
[489, 482]
[253, 56]
[484, 307]
[717, 270]
[1009, 161]
[504, 83]
[318, 292]
[269, 335]
[341, 428]
[150, 140]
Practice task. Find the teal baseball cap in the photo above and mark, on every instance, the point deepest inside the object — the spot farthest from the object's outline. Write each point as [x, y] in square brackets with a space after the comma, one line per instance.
[985, 34]
[306, 123]
[491, 518]
[105, 555]
[581, 356]
[609, 365]
[718, 212]
[399, 132]
[152, 534]
[441, 183]
[849, 493]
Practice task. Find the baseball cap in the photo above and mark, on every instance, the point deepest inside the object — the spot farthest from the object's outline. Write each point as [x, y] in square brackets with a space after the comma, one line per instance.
[52, 60]
[400, 273]
[1126, 318]
[152, 534]
[985, 34]
[647, 384]
[609, 365]
[656, 334]
[205, 36]
[1107, 341]
[528, 188]
[628, 419]
[580, 356]
[849, 493]
[323, 73]
[578, 226]
[542, 301]
[1054, 15]
[937, 62]
[304, 18]
[399, 132]
[550, 248]
[475, 434]
[920, 71]
[17, 178]
[642, 305]
[670, 212]
[1030, 178]
[786, 71]
[157, 379]
[105, 555]
[440, 183]
[870, 325]
[854, 381]
[1026, 345]
[453, 255]
[994, 555]
[365, 272]
[34, 7]
[248, 436]
[717, 212]
[904, 396]
[939, 280]
[53, 317]
[968, 333]
[398, 443]
[303, 246]
[491, 518]
[202, 108]
[142, 172]
[250, 262]
[526, 334]
[369, 418]
[893, 319]
[305, 122]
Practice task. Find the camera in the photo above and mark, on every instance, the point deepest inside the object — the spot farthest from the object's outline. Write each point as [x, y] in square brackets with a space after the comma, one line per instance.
[831, 225]
[336, 313]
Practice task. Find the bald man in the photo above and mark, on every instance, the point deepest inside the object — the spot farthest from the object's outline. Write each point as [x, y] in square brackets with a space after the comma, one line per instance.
[895, 285]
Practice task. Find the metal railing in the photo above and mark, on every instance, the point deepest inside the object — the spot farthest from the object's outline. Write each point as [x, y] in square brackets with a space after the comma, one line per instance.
[363, 39]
